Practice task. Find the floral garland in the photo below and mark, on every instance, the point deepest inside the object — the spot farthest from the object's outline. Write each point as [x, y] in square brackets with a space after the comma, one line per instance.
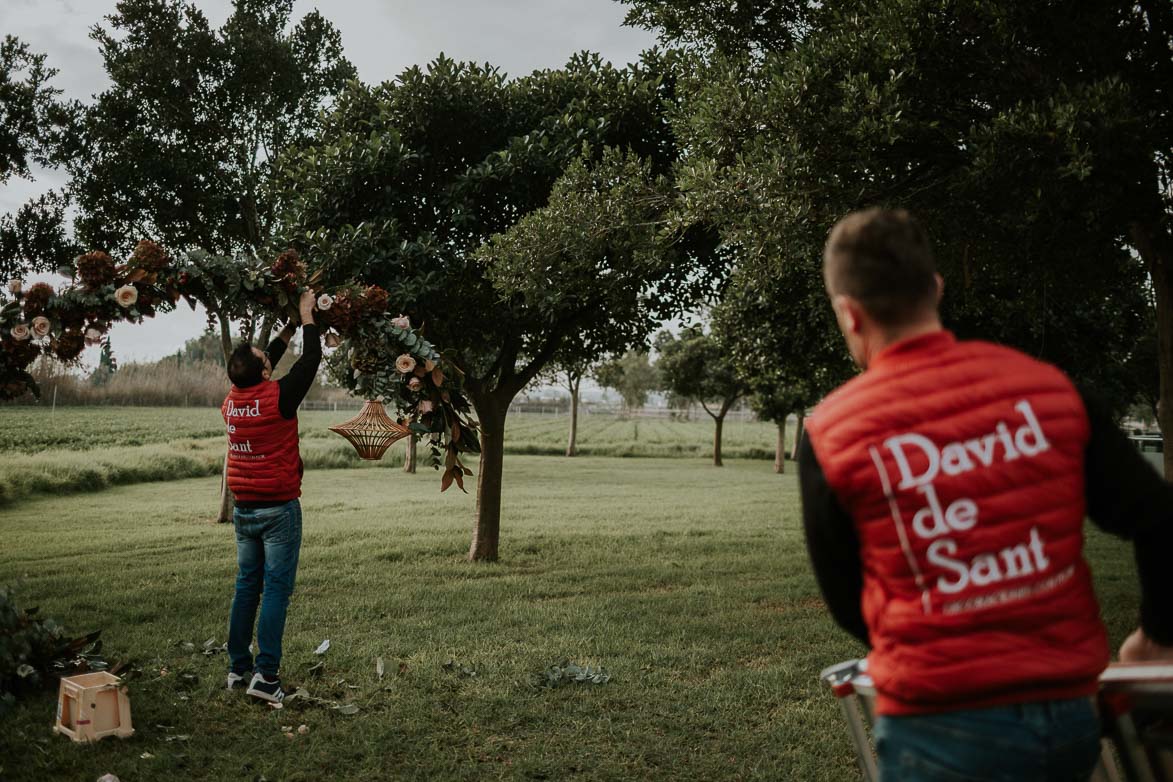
[385, 358]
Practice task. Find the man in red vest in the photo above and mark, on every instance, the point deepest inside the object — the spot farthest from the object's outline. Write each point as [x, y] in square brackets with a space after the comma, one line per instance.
[264, 475]
[944, 491]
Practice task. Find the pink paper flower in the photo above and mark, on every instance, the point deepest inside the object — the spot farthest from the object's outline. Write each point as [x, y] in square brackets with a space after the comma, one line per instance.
[402, 322]
[415, 384]
[41, 326]
[405, 364]
[20, 332]
[325, 302]
[426, 407]
[126, 296]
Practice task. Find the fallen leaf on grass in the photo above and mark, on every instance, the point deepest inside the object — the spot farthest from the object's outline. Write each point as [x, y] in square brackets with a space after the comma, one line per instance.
[180, 737]
[303, 729]
[323, 647]
[347, 708]
[146, 756]
[454, 667]
[379, 667]
[570, 673]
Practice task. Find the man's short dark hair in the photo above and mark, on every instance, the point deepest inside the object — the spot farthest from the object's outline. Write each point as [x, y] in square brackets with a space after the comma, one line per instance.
[882, 259]
[245, 368]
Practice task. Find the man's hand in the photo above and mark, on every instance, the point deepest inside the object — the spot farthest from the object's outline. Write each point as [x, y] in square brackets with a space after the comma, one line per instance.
[1139, 648]
[306, 306]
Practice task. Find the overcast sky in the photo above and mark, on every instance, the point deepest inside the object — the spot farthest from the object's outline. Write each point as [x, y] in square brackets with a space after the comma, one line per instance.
[381, 37]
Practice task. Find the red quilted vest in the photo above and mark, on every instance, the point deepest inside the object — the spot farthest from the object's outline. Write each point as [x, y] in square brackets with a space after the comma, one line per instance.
[264, 463]
[961, 464]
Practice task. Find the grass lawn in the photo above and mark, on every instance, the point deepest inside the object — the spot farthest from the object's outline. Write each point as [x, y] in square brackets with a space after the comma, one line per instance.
[689, 584]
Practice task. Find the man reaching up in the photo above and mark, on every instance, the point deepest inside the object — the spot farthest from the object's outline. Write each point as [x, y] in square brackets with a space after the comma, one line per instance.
[264, 475]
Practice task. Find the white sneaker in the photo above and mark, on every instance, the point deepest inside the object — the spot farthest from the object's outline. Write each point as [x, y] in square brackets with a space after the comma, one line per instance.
[266, 689]
[236, 680]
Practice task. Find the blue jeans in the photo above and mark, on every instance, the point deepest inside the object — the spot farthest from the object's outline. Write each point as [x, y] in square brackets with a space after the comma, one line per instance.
[268, 542]
[1047, 741]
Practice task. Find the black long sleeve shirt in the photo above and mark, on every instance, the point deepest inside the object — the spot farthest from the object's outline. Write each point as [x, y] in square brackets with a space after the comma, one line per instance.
[300, 378]
[1125, 496]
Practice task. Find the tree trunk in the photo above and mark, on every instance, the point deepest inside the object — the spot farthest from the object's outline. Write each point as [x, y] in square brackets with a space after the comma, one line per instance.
[227, 502]
[486, 529]
[267, 324]
[1156, 249]
[410, 457]
[780, 448]
[798, 432]
[719, 424]
[572, 441]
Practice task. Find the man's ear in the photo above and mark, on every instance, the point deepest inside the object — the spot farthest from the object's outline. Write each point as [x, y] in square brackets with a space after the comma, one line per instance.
[847, 312]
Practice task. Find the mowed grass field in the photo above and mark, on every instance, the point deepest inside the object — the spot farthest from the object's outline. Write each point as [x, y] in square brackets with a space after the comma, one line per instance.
[688, 583]
[84, 449]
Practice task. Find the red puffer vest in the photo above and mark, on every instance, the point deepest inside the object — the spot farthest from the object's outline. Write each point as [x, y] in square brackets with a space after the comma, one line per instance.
[961, 464]
[264, 463]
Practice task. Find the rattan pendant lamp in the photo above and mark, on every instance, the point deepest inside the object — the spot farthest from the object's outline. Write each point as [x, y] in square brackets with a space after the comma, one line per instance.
[372, 431]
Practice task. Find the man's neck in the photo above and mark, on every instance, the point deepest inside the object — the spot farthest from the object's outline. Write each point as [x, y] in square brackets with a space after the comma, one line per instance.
[885, 338]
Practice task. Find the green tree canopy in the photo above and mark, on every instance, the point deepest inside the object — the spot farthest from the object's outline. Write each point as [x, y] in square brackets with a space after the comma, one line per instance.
[181, 147]
[514, 218]
[32, 117]
[632, 376]
[696, 366]
[1029, 140]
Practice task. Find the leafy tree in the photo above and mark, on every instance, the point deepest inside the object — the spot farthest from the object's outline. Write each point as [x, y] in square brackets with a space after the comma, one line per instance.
[504, 214]
[36, 237]
[180, 147]
[783, 338]
[567, 370]
[696, 366]
[729, 27]
[33, 121]
[632, 375]
[107, 364]
[1032, 142]
[31, 116]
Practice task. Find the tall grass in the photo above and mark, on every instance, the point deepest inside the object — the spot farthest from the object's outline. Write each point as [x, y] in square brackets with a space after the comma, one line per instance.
[85, 449]
[166, 383]
[59, 472]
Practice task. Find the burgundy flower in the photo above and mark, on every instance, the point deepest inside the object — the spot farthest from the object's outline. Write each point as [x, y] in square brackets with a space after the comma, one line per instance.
[149, 256]
[36, 299]
[69, 345]
[96, 269]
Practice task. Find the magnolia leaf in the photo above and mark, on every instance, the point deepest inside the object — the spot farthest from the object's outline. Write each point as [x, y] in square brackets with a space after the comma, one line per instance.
[347, 708]
[323, 647]
[379, 667]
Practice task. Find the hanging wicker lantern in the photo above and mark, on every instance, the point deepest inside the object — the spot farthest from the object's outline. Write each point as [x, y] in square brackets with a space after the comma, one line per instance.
[372, 431]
